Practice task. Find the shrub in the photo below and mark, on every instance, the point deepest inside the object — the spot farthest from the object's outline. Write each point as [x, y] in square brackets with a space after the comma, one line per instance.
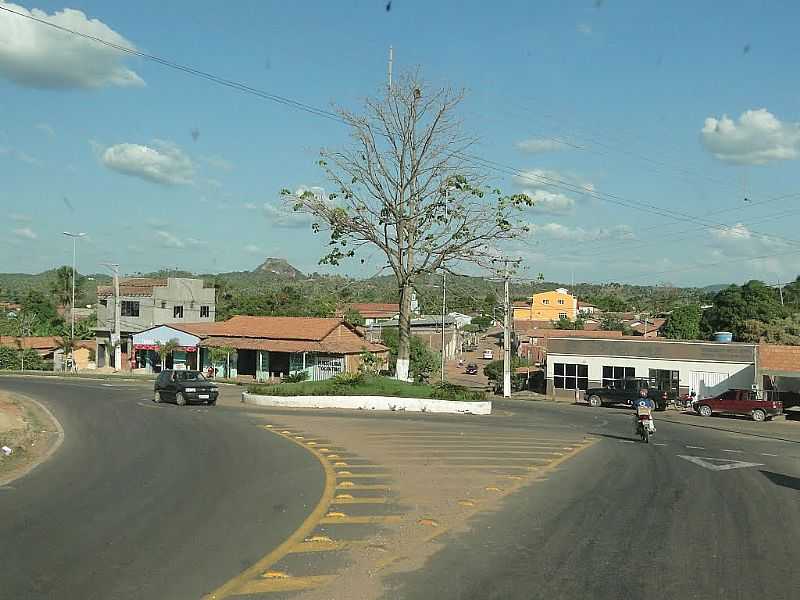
[451, 391]
[296, 377]
[370, 363]
[349, 379]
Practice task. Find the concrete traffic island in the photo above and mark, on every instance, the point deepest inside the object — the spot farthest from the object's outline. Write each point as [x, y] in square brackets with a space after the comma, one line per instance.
[388, 403]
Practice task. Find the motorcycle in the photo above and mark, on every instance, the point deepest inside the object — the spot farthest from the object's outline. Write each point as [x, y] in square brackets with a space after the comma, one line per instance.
[644, 425]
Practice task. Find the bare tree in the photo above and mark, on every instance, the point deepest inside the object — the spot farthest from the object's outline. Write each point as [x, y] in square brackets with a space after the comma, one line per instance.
[406, 186]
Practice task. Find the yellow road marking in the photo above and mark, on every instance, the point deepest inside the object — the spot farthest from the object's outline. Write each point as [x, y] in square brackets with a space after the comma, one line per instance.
[324, 450]
[243, 582]
[343, 473]
[289, 584]
[349, 485]
[428, 522]
[340, 464]
[286, 432]
[268, 426]
[335, 515]
[275, 575]
[361, 520]
[492, 488]
[362, 500]
[467, 503]
[449, 458]
[311, 443]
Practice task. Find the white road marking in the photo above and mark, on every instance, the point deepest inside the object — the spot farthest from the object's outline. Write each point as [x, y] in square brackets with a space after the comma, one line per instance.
[732, 451]
[659, 444]
[718, 464]
[696, 447]
[768, 454]
[626, 441]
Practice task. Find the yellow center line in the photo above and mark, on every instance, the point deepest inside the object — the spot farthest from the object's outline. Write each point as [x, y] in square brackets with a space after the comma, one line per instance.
[286, 584]
[240, 584]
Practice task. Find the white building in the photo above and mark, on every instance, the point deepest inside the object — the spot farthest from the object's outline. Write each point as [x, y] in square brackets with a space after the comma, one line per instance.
[707, 368]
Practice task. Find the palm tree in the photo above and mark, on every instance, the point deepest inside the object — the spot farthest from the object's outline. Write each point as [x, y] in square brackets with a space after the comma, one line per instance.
[61, 287]
[166, 349]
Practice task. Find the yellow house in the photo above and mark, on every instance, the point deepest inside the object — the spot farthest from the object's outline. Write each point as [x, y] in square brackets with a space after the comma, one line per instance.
[548, 306]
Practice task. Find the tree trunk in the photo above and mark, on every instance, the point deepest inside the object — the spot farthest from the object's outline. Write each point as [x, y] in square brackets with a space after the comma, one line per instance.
[404, 333]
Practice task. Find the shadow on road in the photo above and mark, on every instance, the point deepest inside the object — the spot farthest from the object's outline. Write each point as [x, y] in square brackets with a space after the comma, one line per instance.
[615, 437]
[783, 480]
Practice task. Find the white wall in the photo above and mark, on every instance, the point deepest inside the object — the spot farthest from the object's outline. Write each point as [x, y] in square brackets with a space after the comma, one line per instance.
[739, 375]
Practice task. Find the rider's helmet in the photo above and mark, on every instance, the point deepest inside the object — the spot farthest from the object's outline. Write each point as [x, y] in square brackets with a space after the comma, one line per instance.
[643, 393]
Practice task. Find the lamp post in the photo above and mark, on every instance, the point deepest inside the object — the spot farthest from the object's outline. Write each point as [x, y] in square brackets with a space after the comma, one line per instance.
[75, 237]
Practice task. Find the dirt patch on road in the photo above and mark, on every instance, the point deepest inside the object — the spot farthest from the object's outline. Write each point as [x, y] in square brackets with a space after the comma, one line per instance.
[31, 433]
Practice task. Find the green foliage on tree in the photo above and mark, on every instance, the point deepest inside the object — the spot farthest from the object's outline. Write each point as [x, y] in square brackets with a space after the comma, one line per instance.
[288, 301]
[424, 363]
[782, 331]
[613, 322]
[353, 317]
[735, 305]
[46, 320]
[471, 328]
[11, 359]
[683, 323]
[166, 349]
[370, 363]
[494, 372]
[223, 355]
[566, 323]
[61, 286]
[482, 322]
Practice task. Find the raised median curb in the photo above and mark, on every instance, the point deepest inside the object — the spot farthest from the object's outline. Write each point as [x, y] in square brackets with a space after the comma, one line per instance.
[371, 403]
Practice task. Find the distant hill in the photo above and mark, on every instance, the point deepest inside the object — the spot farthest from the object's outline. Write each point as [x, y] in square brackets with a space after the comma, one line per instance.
[713, 289]
[279, 267]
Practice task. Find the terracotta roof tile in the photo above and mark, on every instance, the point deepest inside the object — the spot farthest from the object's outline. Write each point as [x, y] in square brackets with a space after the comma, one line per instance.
[371, 310]
[132, 286]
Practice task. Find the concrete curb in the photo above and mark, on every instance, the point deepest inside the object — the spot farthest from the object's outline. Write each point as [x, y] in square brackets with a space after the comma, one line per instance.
[372, 403]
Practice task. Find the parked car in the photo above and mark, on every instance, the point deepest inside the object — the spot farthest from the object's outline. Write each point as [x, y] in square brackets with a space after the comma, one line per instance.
[472, 369]
[740, 402]
[488, 355]
[184, 387]
[626, 392]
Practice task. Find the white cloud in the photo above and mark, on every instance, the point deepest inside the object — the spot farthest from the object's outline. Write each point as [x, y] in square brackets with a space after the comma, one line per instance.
[581, 234]
[25, 233]
[738, 232]
[46, 128]
[584, 28]
[537, 145]
[545, 188]
[195, 242]
[39, 56]
[757, 138]
[554, 203]
[20, 156]
[281, 215]
[169, 240]
[163, 162]
[252, 249]
[740, 240]
[249, 206]
[20, 217]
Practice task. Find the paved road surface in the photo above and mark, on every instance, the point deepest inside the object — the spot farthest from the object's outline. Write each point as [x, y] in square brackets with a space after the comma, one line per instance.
[166, 502]
[146, 501]
[623, 509]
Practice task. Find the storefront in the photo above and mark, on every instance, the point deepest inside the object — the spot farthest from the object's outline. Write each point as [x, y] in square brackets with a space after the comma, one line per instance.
[145, 357]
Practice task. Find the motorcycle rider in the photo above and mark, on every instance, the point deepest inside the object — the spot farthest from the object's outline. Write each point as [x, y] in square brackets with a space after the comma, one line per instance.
[644, 405]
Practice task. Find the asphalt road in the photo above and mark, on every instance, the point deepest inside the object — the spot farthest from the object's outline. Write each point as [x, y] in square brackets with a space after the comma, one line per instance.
[625, 520]
[145, 500]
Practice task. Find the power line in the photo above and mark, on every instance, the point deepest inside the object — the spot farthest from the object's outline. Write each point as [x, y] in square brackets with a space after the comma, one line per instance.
[285, 101]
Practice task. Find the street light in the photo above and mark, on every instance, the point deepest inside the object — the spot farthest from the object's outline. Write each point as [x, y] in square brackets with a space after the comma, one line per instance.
[75, 237]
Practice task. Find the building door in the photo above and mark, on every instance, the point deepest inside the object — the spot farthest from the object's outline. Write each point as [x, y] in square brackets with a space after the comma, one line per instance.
[665, 380]
[708, 383]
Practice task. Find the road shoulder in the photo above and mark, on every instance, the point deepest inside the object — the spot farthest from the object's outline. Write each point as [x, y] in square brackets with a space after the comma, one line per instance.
[30, 430]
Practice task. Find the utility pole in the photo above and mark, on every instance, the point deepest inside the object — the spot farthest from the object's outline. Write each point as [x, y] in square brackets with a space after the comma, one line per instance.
[507, 325]
[444, 312]
[117, 334]
[391, 60]
[780, 289]
[75, 237]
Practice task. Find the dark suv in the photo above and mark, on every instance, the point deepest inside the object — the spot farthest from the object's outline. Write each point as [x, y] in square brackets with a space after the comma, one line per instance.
[183, 387]
[626, 392]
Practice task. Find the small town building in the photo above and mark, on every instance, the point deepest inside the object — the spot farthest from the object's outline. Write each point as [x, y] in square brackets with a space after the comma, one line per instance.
[372, 312]
[548, 306]
[144, 303]
[429, 329]
[707, 368]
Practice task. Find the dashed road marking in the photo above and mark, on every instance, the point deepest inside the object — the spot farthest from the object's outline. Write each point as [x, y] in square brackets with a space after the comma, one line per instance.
[732, 451]
[768, 454]
[626, 441]
[659, 444]
[696, 447]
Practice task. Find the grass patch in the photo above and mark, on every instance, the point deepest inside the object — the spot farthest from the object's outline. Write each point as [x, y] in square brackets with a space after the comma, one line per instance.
[369, 386]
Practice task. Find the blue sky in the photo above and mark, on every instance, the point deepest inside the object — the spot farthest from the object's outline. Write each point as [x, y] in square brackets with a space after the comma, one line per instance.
[685, 107]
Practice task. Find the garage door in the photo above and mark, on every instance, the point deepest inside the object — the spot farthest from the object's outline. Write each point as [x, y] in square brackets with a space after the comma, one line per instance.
[708, 383]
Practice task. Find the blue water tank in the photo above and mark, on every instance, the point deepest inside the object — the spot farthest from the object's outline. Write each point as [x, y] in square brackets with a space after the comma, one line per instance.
[723, 336]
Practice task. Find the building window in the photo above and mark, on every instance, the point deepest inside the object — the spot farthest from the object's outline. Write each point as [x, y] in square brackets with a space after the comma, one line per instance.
[561, 301]
[614, 376]
[568, 376]
[205, 311]
[103, 302]
[163, 304]
[129, 308]
[177, 312]
[563, 316]
[545, 301]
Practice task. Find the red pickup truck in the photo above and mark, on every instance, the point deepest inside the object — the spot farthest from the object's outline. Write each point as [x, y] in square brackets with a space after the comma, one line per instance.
[739, 402]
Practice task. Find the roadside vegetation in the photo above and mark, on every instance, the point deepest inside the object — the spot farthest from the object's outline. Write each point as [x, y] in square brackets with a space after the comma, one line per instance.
[358, 384]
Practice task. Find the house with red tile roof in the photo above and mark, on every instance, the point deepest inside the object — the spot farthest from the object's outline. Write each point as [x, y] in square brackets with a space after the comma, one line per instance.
[266, 347]
[373, 312]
